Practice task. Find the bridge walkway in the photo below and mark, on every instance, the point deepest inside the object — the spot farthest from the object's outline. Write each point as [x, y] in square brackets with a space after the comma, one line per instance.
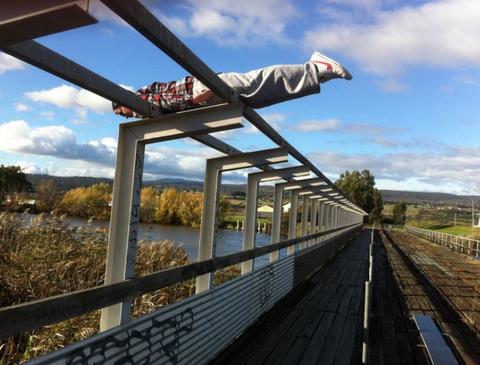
[321, 322]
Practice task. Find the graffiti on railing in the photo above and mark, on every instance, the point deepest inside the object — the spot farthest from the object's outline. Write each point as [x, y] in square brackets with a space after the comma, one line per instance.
[267, 281]
[164, 335]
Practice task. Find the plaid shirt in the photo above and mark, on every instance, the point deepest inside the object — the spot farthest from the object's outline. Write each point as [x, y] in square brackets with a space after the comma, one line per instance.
[171, 96]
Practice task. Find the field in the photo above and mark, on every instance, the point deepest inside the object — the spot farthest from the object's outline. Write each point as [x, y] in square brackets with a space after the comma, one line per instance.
[463, 231]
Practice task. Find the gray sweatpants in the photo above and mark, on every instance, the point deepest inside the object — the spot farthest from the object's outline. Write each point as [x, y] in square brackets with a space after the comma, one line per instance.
[269, 85]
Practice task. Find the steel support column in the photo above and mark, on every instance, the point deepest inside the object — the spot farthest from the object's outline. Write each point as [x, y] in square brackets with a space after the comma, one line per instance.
[276, 218]
[292, 221]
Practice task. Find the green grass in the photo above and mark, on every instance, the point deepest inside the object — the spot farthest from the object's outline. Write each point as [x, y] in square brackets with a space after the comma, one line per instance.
[462, 231]
[411, 210]
[233, 218]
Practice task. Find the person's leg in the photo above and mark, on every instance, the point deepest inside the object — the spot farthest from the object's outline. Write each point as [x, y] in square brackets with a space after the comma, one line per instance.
[274, 84]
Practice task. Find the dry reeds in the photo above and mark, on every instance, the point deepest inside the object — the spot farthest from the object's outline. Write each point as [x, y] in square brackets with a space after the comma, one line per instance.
[45, 257]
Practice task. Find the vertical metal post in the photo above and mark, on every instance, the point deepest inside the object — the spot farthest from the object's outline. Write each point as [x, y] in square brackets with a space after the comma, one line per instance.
[321, 217]
[276, 218]
[304, 219]
[122, 240]
[207, 247]
[313, 220]
[292, 221]
[250, 219]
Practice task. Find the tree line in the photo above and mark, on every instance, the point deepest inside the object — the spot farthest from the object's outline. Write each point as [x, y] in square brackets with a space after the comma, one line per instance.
[167, 206]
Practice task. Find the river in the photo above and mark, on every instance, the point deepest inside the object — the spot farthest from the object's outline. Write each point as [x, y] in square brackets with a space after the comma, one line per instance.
[228, 241]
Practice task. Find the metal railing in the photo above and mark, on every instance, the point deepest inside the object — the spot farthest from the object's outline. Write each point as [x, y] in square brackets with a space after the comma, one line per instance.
[459, 244]
[367, 306]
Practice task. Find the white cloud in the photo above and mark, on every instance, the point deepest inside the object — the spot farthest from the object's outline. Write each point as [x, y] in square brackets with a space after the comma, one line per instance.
[56, 141]
[371, 133]
[442, 33]
[96, 158]
[31, 168]
[454, 170]
[233, 23]
[467, 80]
[317, 125]
[9, 63]
[103, 13]
[48, 115]
[21, 107]
[274, 119]
[70, 97]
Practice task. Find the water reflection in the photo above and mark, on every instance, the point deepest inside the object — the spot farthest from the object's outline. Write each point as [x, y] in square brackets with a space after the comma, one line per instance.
[228, 241]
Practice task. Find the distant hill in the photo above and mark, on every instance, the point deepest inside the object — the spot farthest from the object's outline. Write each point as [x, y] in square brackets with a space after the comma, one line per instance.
[418, 197]
[66, 183]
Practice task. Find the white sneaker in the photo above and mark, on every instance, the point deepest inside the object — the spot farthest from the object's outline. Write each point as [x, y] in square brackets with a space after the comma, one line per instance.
[328, 68]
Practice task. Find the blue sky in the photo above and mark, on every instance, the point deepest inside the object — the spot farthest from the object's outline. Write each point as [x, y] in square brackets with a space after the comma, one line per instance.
[410, 114]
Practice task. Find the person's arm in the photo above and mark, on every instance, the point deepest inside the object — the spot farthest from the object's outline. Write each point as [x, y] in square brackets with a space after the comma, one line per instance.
[203, 97]
[124, 111]
[143, 93]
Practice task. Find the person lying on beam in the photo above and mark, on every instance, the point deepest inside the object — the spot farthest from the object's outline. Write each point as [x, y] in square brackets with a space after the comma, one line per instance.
[257, 88]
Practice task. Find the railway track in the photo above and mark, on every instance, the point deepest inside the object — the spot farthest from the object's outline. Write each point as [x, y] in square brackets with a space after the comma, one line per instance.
[431, 281]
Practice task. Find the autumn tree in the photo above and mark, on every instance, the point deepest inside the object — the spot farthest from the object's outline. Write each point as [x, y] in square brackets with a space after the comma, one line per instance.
[190, 208]
[359, 187]
[92, 201]
[47, 195]
[399, 212]
[148, 204]
[12, 182]
[167, 207]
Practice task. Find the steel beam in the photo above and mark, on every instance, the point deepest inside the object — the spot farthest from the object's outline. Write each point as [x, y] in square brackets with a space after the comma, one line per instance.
[60, 66]
[22, 20]
[147, 24]
[211, 197]
[124, 219]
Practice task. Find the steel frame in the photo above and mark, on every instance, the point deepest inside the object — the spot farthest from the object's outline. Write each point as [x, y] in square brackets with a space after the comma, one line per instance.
[211, 197]
[133, 137]
[253, 181]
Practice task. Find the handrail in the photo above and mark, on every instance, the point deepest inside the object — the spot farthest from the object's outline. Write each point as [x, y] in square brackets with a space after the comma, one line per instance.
[28, 316]
[448, 240]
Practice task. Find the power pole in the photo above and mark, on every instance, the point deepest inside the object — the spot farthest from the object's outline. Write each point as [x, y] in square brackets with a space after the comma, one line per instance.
[473, 213]
[455, 218]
